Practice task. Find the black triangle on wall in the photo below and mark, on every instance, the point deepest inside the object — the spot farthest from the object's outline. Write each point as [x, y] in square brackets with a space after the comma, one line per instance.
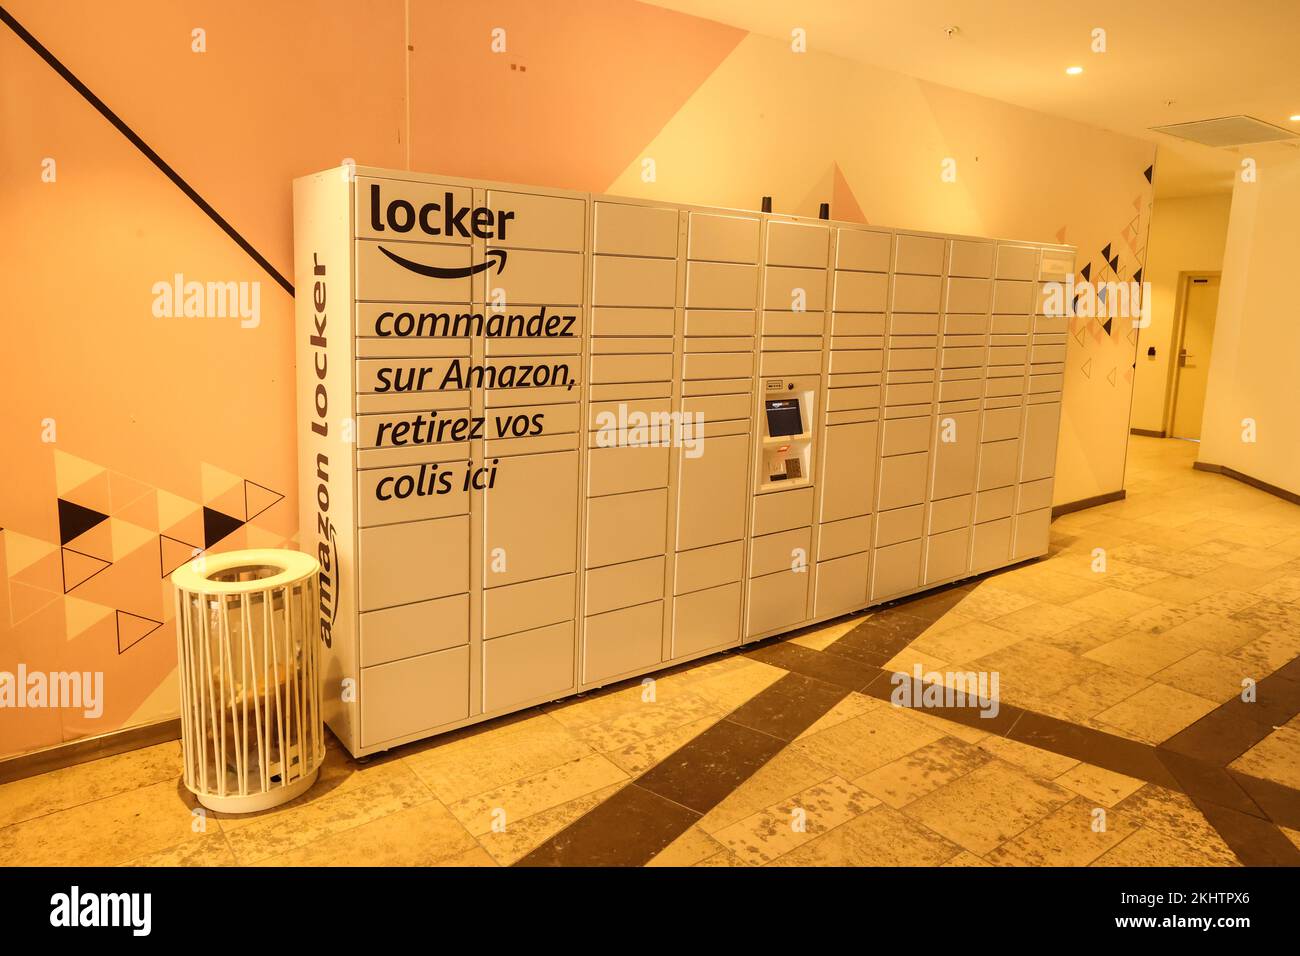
[217, 526]
[1086, 271]
[76, 520]
[1148, 171]
[1105, 253]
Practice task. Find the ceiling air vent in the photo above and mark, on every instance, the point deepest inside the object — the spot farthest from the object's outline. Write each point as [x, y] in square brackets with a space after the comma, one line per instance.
[1227, 131]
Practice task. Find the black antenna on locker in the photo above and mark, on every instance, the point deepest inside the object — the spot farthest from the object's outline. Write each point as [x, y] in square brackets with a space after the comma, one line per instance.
[824, 211]
[767, 204]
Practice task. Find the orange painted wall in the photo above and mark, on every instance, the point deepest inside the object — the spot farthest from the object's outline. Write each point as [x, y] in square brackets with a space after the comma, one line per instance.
[155, 419]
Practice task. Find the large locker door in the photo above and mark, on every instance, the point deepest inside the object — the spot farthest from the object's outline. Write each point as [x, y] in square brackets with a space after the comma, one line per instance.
[531, 519]
[956, 450]
[848, 470]
[1039, 453]
[713, 492]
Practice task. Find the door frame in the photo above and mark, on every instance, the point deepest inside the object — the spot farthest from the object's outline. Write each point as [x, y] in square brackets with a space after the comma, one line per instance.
[1185, 280]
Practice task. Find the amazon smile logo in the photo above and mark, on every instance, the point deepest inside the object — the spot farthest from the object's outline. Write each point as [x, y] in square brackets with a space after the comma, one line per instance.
[442, 220]
[497, 256]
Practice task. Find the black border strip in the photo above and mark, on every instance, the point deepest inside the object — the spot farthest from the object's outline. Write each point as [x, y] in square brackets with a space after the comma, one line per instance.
[143, 147]
[1083, 503]
[1245, 479]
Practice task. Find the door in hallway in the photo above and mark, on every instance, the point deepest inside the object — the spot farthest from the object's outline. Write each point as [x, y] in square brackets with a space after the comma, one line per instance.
[1199, 306]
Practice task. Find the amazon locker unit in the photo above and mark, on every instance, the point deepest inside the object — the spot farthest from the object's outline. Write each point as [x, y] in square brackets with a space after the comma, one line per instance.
[549, 440]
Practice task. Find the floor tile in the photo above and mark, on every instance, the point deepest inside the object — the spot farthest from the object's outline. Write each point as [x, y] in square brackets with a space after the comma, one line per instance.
[515, 839]
[786, 774]
[988, 806]
[788, 707]
[631, 828]
[1073, 835]
[1146, 847]
[423, 835]
[45, 793]
[701, 774]
[1157, 712]
[1173, 815]
[107, 831]
[1276, 758]
[535, 793]
[1096, 784]
[880, 837]
[924, 770]
[779, 829]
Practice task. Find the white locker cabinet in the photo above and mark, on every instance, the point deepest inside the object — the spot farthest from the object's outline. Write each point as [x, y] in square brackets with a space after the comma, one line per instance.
[642, 508]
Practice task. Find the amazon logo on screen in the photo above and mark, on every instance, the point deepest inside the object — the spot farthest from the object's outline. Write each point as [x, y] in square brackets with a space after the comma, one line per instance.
[445, 219]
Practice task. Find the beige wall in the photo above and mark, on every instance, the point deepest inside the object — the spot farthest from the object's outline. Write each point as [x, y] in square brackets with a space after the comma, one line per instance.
[1187, 235]
[1256, 357]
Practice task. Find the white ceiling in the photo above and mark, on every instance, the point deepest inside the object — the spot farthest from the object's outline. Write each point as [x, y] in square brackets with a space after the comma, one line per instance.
[1167, 61]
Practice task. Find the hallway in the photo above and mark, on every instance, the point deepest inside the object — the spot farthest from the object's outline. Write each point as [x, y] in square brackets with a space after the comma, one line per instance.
[1119, 737]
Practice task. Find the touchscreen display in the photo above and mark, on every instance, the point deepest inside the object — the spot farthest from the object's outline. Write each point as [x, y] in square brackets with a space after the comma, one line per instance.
[783, 417]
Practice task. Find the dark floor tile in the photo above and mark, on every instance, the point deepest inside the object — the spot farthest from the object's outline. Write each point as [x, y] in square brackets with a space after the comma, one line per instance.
[859, 653]
[1221, 736]
[628, 829]
[895, 622]
[933, 605]
[1277, 700]
[1256, 842]
[1203, 780]
[1281, 803]
[1093, 746]
[832, 669]
[706, 769]
[876, 639]
[789, 707]
[1290, 670]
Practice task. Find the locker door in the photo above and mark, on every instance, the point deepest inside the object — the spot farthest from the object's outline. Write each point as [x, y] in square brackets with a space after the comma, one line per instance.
[1041, 424]
[954, 461]
[848, 470]
[532, 517]
[713, 493]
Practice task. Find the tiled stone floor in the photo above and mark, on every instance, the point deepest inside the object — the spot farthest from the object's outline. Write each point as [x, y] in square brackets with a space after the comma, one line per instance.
[1122, 738]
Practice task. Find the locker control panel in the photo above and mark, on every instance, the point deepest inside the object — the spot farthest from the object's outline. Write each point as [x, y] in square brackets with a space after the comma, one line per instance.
[785, 426]
[550, 440]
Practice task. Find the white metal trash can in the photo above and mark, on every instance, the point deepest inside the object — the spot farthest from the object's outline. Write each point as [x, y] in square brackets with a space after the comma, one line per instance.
[248, 652]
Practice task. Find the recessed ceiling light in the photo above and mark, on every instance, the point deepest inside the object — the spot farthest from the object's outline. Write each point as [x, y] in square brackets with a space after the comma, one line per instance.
[1074, 70]
[1295, 118]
